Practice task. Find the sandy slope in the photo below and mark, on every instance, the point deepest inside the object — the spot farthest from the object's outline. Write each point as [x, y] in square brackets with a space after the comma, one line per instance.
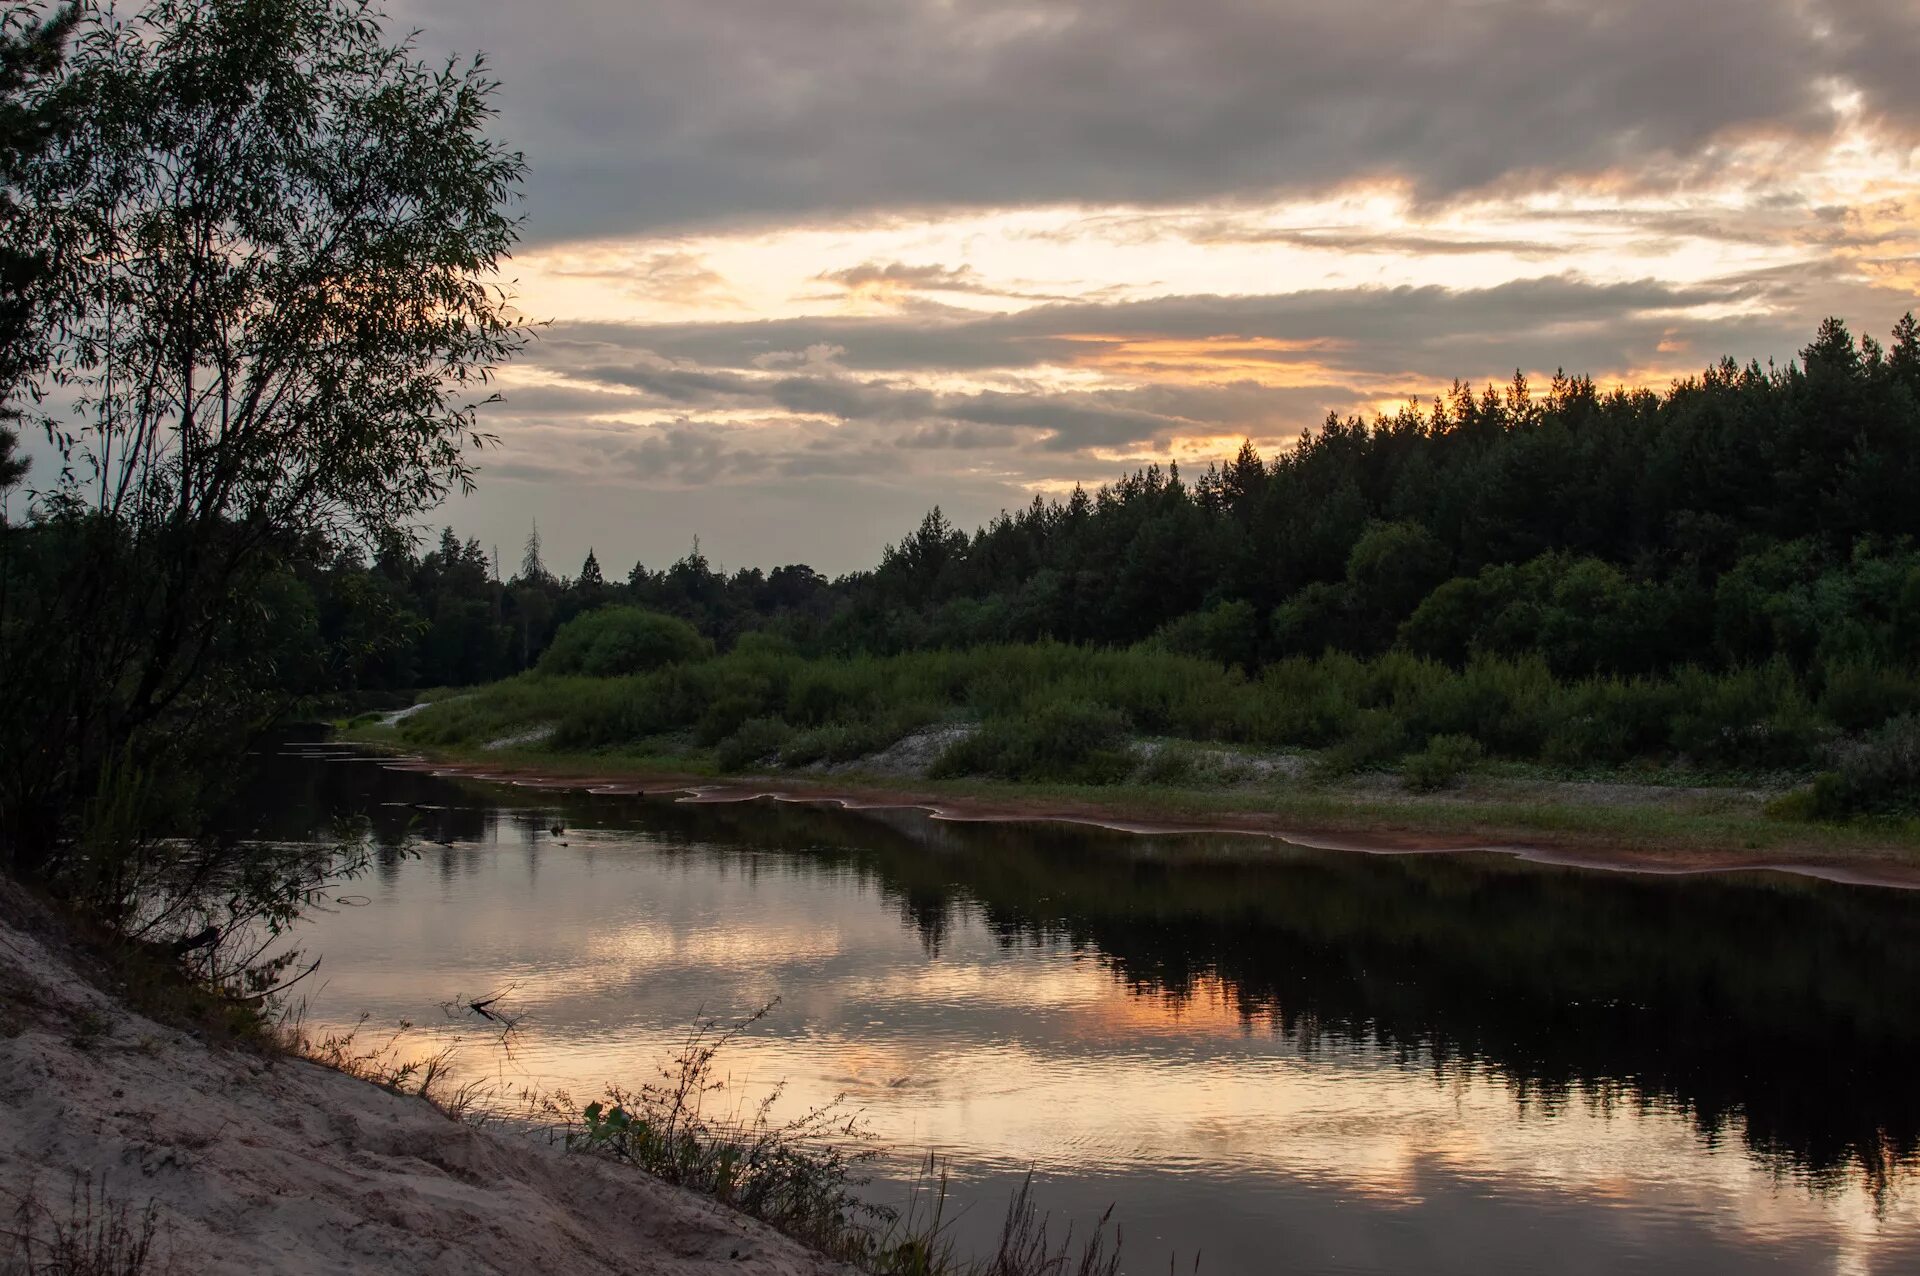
[279, 1165]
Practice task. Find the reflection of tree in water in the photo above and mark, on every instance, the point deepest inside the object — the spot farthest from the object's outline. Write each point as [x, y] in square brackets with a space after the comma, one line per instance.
[1767, 1006]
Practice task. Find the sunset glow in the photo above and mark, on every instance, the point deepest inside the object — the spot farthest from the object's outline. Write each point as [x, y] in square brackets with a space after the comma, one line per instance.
[1201, 233]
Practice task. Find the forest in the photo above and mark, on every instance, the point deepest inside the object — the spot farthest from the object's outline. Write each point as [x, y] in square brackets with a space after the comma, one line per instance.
[1722, 576]
[255, 301]
[1740, 517]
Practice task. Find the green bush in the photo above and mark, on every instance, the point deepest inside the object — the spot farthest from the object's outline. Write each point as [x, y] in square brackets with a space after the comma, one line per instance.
[1374, 739]
[615, 641]
[1746, 718]
[1226, 634]
[1445, 759]
[1879, 775]
[1070, 742]
[1305, 702]
[1859, 697]
[727, 713]
[1609, 721]
[1041, 702]
[1175, 763]
[824, 744]
[756, 740]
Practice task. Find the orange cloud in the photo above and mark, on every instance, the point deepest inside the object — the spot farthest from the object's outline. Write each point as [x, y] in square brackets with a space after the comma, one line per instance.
[1265, 360]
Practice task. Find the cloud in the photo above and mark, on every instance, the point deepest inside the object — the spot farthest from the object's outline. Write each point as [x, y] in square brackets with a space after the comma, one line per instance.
[687, 113]
[1429, 331]
[907, 286]
[898, 276]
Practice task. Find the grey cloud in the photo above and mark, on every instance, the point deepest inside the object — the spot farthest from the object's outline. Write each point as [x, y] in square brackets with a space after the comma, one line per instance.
[687, 453]
[843, 419]
[907, 281]
[684, 112]
[898, 274]
[1405, 329]
[946, 436]
[538, 400]
[1076, 419]
[673, 384]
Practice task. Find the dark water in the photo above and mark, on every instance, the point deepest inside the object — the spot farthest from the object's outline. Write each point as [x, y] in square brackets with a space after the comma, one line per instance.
[1290, 1060]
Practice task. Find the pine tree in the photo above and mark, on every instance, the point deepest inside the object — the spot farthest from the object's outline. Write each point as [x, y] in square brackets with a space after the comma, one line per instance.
[1904, 355]
[30, 53]
[531, 568]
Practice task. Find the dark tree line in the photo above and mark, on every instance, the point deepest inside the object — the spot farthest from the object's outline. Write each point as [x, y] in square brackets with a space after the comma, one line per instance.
[1744, 515]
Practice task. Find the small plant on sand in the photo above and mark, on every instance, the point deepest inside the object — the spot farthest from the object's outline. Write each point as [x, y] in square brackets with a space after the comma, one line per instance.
[800, 1174]
[796, 1174]
[95, 1235]
[388, 1064]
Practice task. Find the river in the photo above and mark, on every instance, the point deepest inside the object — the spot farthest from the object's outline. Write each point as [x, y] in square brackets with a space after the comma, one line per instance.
[1282, 1059]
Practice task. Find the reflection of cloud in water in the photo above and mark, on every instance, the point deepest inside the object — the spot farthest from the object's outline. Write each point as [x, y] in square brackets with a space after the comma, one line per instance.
[1015, 998]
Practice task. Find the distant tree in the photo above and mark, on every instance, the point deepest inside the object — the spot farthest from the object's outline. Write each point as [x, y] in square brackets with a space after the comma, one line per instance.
[1903, 357]
[532, 569]
[615, 641]
[590, 577]
[1392, 567]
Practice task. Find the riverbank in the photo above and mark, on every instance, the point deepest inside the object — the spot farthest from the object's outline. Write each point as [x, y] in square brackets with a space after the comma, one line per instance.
[224, 1159]
[1656, 824]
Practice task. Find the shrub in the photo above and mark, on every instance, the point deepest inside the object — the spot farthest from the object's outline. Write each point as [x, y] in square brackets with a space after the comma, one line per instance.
[727, 713]
[1749, 717]
[1304, 702]
[1861, 697]
[1612, 720]
[1225, 634]
[1879, 775]
[1064, 741]
[614, 641]
[835, 743]
[1374, 739]
[1177, 763]
[1507, 705]
[1443, 761]
[754, 741]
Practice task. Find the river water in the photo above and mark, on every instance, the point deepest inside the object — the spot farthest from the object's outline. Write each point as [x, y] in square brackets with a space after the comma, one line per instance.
[1284, 1059]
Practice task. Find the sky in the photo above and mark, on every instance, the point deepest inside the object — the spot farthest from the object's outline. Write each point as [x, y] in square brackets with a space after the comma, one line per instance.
[809, 267]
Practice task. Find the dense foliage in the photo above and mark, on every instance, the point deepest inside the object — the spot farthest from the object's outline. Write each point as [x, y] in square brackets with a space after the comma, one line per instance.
[1743, 515]
[1725, 574]
[258, 327]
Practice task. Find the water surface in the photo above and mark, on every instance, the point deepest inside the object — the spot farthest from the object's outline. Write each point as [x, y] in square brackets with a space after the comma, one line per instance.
[1286, 1059]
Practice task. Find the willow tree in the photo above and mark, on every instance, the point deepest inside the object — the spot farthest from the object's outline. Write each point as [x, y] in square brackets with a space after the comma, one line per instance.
[273, 314]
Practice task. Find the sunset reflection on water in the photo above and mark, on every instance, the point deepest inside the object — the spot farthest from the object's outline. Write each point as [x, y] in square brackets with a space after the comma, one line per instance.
[1353, 1119]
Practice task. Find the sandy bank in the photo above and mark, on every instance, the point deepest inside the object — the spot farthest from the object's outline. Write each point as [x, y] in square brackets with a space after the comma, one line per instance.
[1396, 835]
[258, 1164]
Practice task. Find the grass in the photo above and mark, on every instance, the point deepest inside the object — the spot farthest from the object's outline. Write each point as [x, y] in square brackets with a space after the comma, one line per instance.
[1496, 751]
[388, 1064]
[95, 1234]
[1051, 694]
[1047, 712]
[800, 1174]
[1500, 804]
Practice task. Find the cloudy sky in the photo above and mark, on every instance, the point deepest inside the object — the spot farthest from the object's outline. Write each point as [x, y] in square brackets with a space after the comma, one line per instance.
[811, 266]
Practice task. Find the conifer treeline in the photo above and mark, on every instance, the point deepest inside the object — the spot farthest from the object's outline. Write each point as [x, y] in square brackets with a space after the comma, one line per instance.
[1743, 515]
